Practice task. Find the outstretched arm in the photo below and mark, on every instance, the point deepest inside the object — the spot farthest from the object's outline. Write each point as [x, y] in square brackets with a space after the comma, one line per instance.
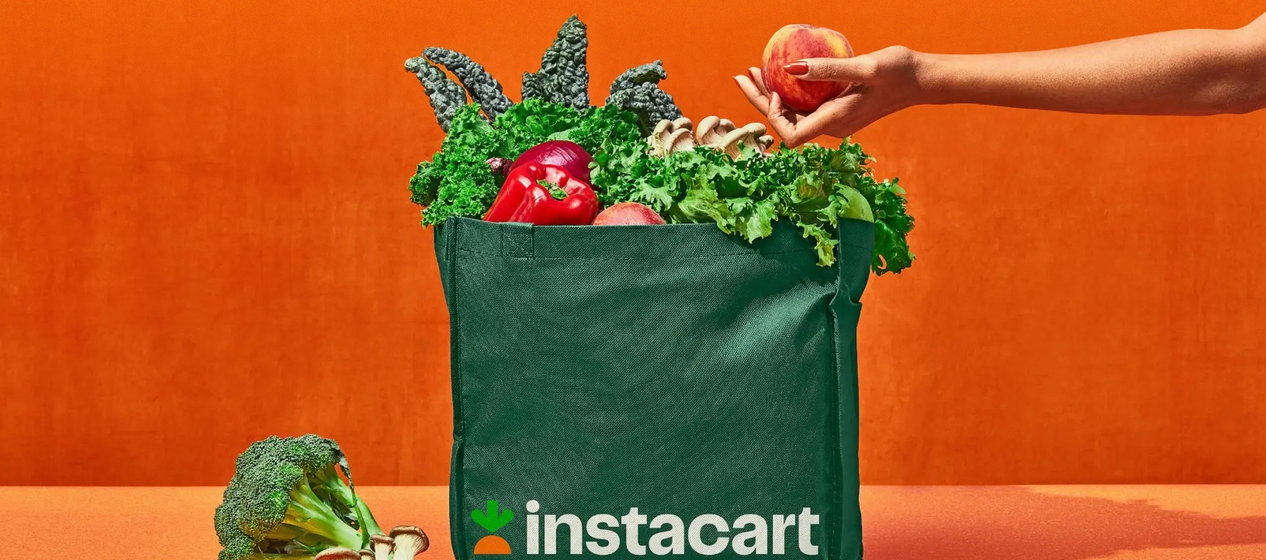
[1188, 72]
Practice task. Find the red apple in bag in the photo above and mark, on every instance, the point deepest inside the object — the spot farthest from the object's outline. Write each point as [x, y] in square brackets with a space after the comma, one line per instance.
[798, 42]
[628, 214]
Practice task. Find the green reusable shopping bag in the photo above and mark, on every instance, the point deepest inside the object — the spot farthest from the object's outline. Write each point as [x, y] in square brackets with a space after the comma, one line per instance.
[652, 391]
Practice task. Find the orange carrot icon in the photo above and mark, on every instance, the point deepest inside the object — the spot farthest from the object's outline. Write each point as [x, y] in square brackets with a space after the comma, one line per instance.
[491, 519]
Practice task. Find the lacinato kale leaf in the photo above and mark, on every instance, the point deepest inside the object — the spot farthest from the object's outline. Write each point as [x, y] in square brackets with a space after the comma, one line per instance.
[645, 74]
[637, 90]
[445, 95]
[564, 74]
[482, 87]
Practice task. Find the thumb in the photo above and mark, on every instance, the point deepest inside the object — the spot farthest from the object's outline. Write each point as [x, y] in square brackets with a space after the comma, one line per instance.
[857, 69]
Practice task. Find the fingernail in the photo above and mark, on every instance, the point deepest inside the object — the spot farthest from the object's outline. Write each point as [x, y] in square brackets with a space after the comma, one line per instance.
[798, 68]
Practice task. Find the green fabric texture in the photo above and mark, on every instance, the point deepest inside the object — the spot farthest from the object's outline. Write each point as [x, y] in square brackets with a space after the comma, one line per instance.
[673, 369]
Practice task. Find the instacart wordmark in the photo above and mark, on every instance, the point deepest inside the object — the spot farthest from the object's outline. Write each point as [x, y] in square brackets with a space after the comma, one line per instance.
[661, 535]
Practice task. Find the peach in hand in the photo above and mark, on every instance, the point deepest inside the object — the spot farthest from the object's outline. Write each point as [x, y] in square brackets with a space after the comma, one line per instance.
[798, 42]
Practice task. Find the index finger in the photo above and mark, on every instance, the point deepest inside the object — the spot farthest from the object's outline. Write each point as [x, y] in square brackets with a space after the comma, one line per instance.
[758, 100]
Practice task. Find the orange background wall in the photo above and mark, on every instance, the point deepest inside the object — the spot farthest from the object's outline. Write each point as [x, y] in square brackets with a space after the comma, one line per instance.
[205, 238]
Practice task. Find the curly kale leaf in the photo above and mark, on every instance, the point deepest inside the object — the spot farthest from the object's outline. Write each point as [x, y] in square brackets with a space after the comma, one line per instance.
[812, 187]
[647, 73]
[564, 76]
[850, 165]
[606, 128]
[446, 96]
[534, 121]
[458, 180]
[482, 87]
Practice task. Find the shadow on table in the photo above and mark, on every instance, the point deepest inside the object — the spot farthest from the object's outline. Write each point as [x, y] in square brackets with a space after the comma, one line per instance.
[1020, 523]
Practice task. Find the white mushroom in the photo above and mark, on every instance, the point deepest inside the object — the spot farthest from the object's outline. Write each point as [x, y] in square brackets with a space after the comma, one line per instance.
[671, 136]
[662, 128]
[679, 141]
[410, 541]
[713, 132]
[710, 131]
[337, 554]
[707, 124]
[734, 141]
[382, 546]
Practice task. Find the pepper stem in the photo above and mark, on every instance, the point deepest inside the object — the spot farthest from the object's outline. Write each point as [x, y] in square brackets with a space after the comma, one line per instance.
[554, 190]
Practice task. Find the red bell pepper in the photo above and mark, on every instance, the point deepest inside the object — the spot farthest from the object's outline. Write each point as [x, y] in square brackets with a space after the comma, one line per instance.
[529, 196]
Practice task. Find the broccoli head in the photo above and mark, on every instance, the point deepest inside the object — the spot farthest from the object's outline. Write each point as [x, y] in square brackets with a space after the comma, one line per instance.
[287, 500]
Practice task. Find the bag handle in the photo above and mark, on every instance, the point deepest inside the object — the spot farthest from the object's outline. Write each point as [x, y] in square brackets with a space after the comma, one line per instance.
[517, 240]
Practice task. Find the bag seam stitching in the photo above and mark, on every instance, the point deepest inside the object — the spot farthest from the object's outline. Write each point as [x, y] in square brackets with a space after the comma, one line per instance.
[459, 422]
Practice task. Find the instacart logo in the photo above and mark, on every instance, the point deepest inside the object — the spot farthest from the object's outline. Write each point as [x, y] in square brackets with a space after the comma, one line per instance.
[491, 520]
[666, 534]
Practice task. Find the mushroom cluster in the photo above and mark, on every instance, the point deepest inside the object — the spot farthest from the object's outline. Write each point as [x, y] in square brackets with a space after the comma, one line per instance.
[713, 132]
[405, 542]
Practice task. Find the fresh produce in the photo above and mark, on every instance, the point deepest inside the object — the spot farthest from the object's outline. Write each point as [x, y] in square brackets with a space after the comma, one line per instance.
[546, 195]
[292, 499]
[563, 153]
[798, 42]
[628, 214]
[644, 151]
[459, 180]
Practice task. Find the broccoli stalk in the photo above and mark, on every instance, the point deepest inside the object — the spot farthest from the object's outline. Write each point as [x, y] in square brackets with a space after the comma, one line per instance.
[329, 482]
[312, 516]
[244, 549]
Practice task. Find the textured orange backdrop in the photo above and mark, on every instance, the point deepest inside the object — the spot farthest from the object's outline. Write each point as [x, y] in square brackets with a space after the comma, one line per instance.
[205, 238]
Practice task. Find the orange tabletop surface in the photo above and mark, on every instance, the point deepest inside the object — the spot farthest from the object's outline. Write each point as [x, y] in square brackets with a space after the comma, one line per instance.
[900, 523]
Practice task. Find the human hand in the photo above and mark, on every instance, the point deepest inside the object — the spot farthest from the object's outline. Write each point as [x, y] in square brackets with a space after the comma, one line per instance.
[883, 82]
